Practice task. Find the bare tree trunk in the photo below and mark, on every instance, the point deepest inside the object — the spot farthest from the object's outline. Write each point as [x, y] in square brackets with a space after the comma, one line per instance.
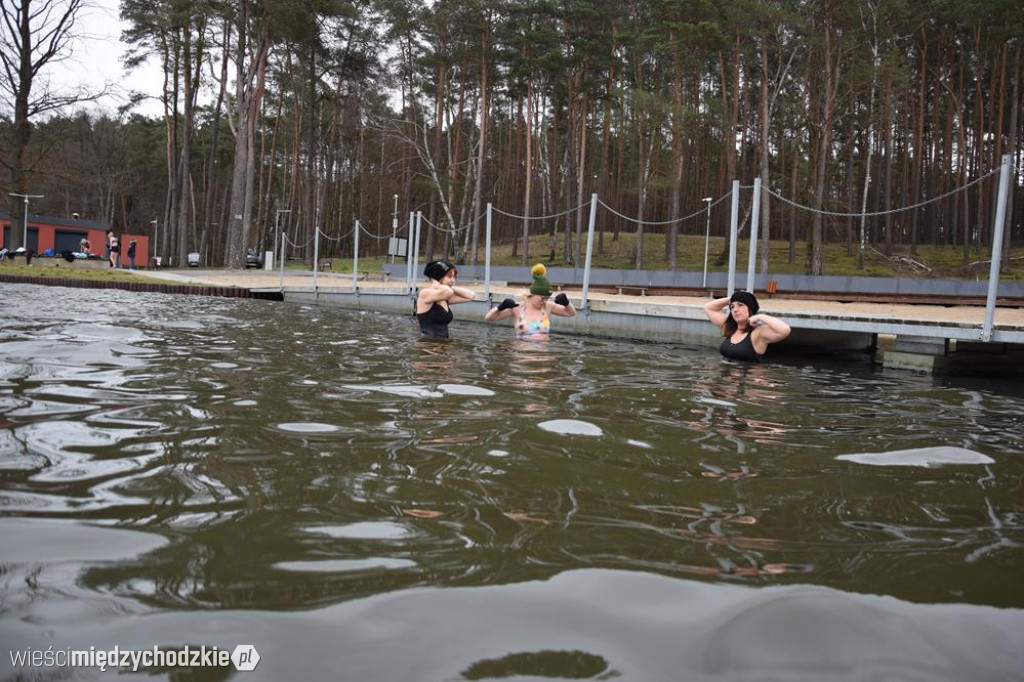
[961, 154]
[888, 151]
[675, 200]
[482, 150]
[311, 163]
[581, 176]
[794, 192]
[619, 169]
[646, 152]
[215, 136]
[248, 96]
[437, 151]
[570, 168]
[829, 82]
[528, 200]
[875, 63]
[765, 152]
[984, 225]
[918, 171]
[606, 144]
[183, 222]
[35, 33]
[1012, 147]
[170, 102]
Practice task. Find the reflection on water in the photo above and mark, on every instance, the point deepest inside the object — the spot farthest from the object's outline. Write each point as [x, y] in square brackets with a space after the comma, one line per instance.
[283, 458]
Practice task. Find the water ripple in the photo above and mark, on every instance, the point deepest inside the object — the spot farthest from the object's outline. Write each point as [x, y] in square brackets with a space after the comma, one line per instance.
[290, 454]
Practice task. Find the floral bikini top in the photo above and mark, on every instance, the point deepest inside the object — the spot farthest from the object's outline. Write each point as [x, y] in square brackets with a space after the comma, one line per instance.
[533, 330]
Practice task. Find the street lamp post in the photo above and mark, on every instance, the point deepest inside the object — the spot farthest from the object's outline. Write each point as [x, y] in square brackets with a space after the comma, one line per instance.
[156, 239]
[707, 239]
[394, 230]
[277, 216]
[26, 197]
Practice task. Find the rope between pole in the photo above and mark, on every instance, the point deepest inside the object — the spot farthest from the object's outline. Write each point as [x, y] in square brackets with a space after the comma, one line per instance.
[871, 214]
[695, 214]
[540, 217]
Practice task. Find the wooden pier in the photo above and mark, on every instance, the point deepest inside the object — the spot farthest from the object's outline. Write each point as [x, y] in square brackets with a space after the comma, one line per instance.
[925, 338]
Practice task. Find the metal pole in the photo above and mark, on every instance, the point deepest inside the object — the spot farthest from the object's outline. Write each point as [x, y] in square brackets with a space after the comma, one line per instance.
[408, 248]
[24, 233]
[416, 248]
[156, 240]
[590, 249]
[707, 241]
[316, 256]
[280, 281]
[487, 256]
[355, 258]
[755, 216]
[997, 249]
[394, 227]
[276, 217]
[733, 231]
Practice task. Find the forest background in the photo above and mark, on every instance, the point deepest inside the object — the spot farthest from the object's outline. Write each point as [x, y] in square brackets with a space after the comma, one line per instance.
[306, 115]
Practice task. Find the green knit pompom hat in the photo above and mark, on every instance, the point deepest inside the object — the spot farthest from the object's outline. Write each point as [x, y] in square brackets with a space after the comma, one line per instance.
[541, 286]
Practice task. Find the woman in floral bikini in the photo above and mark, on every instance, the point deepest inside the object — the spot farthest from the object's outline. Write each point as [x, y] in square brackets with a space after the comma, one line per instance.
[532, 320]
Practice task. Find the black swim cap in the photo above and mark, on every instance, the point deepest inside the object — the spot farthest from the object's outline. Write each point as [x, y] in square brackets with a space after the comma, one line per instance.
[437, 269]
[747, 299]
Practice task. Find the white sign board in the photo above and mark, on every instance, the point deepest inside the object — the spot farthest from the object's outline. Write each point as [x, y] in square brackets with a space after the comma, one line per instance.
[398, 247]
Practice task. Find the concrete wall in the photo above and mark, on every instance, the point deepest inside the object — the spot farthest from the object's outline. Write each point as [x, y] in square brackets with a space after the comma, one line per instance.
[611, 319]
[640, 321]
[719, 280]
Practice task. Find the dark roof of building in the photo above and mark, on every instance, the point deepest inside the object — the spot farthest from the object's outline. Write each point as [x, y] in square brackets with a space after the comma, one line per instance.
[62, 222]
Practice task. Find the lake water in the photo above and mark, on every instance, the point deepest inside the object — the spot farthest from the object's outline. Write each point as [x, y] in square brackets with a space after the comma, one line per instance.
[358, 504]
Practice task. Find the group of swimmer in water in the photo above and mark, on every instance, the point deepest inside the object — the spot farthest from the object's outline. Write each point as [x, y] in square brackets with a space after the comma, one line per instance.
[746, 332]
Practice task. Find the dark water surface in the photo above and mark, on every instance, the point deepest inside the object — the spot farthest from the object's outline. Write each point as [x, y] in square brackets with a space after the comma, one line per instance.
[359, 504]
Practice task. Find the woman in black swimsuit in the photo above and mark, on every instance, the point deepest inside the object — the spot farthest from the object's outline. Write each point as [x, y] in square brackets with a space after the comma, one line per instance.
[433, 305]
[746, 332]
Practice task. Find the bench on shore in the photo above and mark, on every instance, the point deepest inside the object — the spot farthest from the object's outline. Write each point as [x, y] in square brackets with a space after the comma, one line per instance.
[632, 290]
[326, 263]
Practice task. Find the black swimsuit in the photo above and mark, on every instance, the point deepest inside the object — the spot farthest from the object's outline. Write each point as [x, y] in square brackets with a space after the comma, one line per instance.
[744, 350]
[434, 323]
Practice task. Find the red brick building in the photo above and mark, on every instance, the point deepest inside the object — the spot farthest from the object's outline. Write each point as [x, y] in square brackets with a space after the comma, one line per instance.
[62, 234]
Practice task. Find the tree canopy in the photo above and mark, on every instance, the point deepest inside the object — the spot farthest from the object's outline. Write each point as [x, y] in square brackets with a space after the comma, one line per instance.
[312, 114]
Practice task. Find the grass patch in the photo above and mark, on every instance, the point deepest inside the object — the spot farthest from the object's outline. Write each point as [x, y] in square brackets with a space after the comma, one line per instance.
[618, 254]
[107, 275]
[930, 261]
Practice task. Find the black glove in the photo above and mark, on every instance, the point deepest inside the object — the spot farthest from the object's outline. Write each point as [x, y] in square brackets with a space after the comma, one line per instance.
[507, 303]
[562, 299]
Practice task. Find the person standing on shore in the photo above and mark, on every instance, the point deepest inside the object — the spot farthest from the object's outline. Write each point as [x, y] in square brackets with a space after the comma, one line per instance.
[131, 255]
[113, 250]
[746, 332]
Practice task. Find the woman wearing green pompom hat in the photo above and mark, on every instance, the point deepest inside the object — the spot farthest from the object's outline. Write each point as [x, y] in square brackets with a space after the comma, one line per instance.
[532, 319]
